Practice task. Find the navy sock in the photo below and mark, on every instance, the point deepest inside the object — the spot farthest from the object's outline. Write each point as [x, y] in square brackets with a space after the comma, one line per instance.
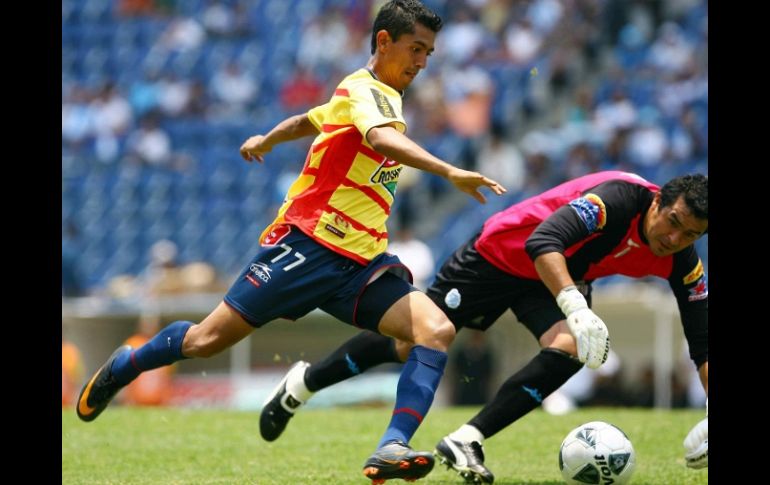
[163, 349]
[365, 350]
[416, 387]
[525, 390]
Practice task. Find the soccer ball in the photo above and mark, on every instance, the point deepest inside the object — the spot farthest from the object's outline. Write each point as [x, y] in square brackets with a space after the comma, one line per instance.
[596, 453]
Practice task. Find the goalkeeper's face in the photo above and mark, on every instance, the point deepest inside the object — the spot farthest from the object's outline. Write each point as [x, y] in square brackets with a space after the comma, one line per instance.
[670, 229]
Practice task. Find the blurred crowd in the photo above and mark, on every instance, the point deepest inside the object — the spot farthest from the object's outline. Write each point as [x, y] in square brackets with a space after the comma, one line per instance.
[157, 96]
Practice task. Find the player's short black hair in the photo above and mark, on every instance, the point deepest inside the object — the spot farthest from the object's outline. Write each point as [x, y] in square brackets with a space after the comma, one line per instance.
[695, 190]
[399, 17]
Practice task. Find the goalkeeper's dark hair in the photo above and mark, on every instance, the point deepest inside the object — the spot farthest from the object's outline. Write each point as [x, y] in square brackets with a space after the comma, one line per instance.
[695, 190]
[398, 17]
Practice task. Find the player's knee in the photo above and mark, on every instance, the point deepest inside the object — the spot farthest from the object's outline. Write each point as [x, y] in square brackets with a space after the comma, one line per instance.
[198, 344]
[559, 337]
[565, 343]
[440, 334]
[445, 333]
[403, 348]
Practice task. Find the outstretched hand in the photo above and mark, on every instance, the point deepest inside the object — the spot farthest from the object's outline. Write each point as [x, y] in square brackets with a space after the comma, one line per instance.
[469, 182]
[254, 149]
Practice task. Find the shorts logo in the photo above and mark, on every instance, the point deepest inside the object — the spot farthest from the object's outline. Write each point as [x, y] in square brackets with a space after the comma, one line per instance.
[696, 273]
[383, 104]
[591, 211]
[700, 291]
[261, 271]
[387, 175]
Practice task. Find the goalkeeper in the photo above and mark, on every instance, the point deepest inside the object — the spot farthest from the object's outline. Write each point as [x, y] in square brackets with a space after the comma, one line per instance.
[538, 258]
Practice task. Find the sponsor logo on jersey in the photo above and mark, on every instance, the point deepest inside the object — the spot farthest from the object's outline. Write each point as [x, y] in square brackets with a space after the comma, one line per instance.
[696, 273]
[383, 104]
[387, 175]
[334, 231]
[591, 211]
[630, 244]
[700, 291]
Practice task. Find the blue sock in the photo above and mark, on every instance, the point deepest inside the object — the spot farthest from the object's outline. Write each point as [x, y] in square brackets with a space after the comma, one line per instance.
[416, 387]
[163, 349]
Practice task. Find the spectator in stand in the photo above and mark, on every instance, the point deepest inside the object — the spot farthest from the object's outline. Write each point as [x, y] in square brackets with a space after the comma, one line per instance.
[130, 8]
[233, 88]
[501, 159]
[415, 254]
[302, 91]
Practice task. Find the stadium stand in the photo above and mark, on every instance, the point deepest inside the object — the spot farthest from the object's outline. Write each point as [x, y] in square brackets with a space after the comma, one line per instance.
[641, 67]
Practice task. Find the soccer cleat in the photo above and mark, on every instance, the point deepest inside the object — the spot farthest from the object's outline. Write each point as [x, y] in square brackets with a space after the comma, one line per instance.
[397, 460]
[99, 391]
[467, 459]
[280, 406]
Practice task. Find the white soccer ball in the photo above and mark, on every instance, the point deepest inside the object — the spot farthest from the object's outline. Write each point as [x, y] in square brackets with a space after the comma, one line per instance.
[596, 453]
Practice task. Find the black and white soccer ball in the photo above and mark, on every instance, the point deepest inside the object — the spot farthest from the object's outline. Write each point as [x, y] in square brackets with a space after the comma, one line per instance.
[596, 453]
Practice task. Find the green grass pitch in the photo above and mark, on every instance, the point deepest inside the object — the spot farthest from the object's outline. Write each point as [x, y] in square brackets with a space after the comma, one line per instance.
[329, 446]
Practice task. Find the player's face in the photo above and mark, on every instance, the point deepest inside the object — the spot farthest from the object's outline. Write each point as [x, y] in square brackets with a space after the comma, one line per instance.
[405, 58]
[671, 229]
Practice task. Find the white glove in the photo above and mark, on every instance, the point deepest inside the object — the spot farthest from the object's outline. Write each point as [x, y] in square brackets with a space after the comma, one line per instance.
[696, 444]
[590, 332]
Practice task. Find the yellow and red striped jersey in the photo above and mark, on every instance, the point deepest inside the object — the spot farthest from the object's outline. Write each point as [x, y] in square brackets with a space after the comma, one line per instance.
[342, 197]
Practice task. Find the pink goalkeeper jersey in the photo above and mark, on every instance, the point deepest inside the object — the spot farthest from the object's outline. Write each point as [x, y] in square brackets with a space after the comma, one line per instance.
[505, 234]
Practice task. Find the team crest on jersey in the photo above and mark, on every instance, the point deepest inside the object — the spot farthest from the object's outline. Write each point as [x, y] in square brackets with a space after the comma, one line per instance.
[700, 291]
[591, 210]
[275, 235]
[386, 109]
[387, 175]
[696, 273]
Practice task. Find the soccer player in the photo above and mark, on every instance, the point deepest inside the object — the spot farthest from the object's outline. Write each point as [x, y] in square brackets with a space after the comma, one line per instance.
[539, 258]
[326, 247]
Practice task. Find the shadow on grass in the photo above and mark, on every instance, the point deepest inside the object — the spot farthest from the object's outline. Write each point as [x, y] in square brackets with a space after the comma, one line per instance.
[508, 482]
[536, 482]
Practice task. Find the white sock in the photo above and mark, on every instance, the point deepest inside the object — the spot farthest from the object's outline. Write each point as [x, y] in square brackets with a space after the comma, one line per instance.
[467, 433]
[295, 384]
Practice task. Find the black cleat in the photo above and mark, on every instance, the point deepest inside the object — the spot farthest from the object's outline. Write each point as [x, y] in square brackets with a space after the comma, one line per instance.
[99, 391]
[280, 406]
[467, 459]
[397, 460]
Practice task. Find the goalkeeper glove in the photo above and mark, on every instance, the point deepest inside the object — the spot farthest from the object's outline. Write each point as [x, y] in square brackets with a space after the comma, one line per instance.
[590, 332]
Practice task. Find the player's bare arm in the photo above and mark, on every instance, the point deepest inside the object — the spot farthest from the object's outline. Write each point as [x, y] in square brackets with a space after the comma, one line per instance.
[393, 144]
[552, 268]
[298, 126]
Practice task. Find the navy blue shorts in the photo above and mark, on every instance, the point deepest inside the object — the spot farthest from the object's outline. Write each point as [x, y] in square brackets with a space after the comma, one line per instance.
[296, 275]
